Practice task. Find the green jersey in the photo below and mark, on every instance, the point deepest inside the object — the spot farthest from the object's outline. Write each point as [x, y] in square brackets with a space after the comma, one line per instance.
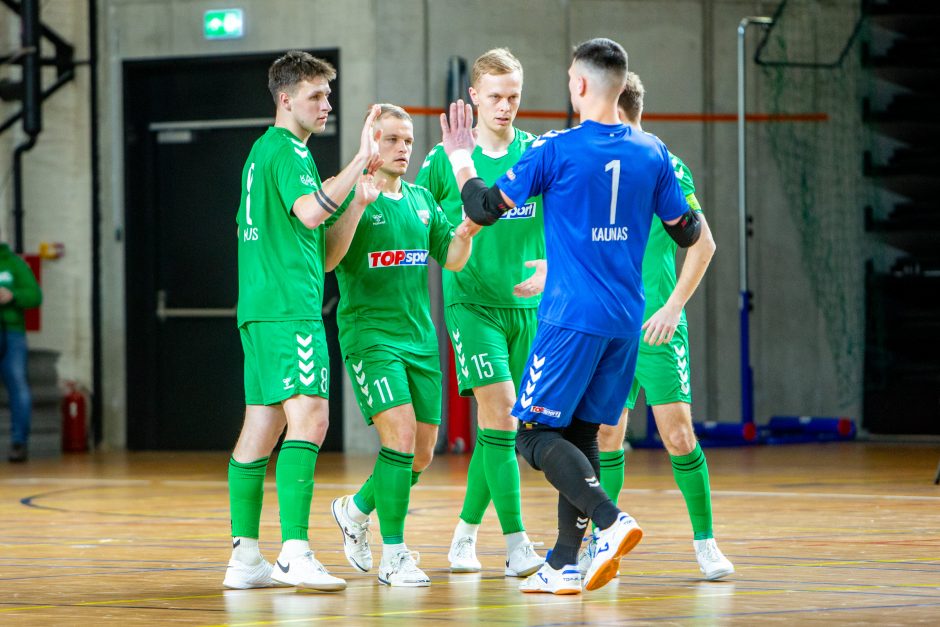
[499, 251]
[383, 279]
[659, 260]
[280, 261]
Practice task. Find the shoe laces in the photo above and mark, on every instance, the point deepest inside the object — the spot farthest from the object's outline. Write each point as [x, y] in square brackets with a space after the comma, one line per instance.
[464, 548]
[709, 551]
[405, 561]
[527, 549]
[314, 563]
[360, 532]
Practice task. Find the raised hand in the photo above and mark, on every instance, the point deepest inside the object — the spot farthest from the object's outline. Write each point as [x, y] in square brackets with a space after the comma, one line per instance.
[369, 137]
[367, 189]
[457, 129]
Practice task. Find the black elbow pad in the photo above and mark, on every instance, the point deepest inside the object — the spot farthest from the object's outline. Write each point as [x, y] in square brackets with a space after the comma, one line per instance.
[687, 230]
[484, 205]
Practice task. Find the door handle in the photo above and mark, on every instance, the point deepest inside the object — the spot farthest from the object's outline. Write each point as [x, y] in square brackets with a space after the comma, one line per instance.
[164, 312]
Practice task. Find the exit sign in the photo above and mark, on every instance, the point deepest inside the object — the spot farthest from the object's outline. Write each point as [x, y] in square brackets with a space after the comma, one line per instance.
[223, 24]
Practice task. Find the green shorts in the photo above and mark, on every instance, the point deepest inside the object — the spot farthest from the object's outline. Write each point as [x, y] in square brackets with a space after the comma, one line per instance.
[284, 358]
[664, 372]
[385, 377]
[491, 344]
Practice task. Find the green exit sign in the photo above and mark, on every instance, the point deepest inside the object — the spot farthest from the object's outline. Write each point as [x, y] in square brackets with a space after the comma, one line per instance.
[223, 24]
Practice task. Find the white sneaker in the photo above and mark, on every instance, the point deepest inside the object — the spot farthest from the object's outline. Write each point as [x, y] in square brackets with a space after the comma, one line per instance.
[401, 570]
[463, 555]
[241, 576]
[586, 554]
[355, 536]
[711, 561]
[612, 544]
[523, 561]
[304, 571]
[547, 579]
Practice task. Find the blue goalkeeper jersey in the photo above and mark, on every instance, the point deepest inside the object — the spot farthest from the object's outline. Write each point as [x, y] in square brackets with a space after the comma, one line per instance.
[601, 185]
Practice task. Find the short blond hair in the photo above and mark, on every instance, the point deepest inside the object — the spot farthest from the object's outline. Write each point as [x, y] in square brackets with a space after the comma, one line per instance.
[631, 98]
[387, 110]
[496, 61]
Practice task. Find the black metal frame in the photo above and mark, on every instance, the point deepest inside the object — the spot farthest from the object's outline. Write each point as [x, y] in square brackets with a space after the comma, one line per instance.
[818, 66]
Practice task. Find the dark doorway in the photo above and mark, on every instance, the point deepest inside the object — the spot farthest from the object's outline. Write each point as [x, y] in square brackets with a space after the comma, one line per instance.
[189, 125]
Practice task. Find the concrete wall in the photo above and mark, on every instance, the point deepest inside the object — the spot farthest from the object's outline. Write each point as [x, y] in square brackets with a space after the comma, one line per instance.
[397, 50]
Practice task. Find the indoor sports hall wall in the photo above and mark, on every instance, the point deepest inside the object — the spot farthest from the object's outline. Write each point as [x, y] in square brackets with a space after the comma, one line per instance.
[397, 51]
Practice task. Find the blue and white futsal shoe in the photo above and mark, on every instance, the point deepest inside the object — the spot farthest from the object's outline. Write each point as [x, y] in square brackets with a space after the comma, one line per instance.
[546, 579]
[612, 544]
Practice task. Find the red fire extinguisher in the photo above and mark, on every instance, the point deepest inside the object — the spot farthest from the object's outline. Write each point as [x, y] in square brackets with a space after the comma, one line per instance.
[74, 433]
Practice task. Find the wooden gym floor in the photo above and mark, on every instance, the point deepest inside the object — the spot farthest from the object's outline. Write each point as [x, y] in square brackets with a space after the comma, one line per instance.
[827, 533]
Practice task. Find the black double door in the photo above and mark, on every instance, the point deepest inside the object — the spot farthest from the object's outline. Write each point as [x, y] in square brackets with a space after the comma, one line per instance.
[189, 125]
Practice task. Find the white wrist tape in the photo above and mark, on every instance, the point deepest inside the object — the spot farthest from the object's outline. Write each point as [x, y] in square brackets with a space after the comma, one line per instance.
[460, 159]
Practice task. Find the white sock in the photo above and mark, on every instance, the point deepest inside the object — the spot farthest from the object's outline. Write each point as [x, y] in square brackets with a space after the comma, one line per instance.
[246, 550]
[514, 540]
[294, 548]
[353, 511]
[389, 550]
[466, 529]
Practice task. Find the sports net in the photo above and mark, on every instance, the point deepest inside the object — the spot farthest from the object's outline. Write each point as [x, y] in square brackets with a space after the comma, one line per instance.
[808, 62]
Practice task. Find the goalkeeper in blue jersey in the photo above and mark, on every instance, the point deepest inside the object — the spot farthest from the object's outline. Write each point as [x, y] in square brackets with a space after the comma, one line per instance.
[602, 182]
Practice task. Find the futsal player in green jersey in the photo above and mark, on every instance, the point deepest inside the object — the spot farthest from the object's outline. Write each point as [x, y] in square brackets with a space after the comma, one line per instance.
[281, 250]
[491, 329]
[390, 347]
[663, 369]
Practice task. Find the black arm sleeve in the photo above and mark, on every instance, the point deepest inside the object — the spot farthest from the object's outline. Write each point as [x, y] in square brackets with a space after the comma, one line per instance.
[484, 205]
[686, 231]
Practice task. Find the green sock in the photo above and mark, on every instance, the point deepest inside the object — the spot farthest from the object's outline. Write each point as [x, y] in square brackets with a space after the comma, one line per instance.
[691, 473]
[502, 477]
[365, 497]
[294, 477]
[612, 463]
[477, 498]
[392, 479]
[245, 493]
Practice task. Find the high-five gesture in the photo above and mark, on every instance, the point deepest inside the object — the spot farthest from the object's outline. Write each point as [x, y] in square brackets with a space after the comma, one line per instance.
[457, 130]
[368, 189]
[369, 138]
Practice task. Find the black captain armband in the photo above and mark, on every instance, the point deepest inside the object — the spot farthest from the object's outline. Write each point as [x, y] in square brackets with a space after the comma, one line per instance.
[484, 205]
[686, 231]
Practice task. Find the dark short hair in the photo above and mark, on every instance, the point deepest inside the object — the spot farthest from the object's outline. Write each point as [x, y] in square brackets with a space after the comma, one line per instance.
[296, 66]
[631, 98]
[603, 54]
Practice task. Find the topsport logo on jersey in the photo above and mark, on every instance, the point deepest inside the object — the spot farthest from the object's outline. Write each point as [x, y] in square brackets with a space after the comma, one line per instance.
[525, 211]
[391, 258]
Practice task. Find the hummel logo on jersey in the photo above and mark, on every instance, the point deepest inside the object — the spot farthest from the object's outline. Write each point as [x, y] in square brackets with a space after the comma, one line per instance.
[424, 215]
[286, 381]
[284, 569]
[525, 211]
[390, 258]
[306, 179]
[377, 219]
